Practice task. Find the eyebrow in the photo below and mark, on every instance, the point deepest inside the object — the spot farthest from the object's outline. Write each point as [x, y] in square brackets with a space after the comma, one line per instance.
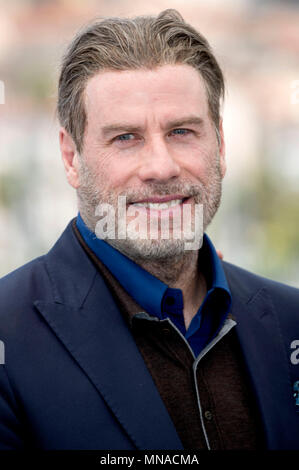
[119, 128]
[128, 127]
[195, 120]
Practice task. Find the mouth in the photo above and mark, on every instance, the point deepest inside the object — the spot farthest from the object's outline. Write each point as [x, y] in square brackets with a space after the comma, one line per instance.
[161, 203]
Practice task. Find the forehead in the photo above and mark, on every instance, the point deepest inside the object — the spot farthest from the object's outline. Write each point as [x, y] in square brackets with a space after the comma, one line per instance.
[166, 91]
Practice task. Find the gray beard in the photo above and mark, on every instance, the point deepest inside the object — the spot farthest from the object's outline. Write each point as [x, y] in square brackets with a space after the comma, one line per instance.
[146, 250]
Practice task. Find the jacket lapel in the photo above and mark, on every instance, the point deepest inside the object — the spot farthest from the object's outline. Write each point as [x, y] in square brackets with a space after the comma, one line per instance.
[85, 318]
[266, 358]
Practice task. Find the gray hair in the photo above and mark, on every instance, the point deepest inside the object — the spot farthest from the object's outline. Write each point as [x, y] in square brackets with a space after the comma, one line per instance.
[130, 44]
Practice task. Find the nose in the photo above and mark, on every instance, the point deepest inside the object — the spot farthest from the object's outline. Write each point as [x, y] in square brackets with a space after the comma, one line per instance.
[157, 163]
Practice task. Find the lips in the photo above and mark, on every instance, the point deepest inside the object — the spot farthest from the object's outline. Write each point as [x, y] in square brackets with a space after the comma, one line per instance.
[161, 203]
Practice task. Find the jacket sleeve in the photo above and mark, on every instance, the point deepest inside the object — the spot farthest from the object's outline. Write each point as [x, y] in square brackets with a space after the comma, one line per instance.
[10, 427]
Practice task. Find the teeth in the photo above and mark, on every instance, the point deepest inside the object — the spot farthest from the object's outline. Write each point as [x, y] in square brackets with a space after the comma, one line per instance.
[159, 206]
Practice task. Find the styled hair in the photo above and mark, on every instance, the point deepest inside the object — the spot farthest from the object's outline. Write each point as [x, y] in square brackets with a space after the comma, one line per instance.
[143, 42]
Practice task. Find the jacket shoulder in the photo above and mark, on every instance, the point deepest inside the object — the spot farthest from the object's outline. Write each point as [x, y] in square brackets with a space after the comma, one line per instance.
[33, 280]
[237, 273]
[21, 285]
[247, 284]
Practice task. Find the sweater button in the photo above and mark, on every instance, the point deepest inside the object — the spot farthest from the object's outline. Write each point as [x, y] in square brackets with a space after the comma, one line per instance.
[208, 415]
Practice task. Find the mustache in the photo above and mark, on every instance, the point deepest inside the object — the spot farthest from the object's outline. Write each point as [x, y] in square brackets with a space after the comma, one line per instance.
[186, 189]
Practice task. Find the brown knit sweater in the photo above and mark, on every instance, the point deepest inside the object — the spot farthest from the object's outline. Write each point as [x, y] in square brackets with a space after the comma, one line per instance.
[210, 403]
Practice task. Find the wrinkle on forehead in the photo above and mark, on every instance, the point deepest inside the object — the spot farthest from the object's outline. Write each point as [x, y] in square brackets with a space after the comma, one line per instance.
[125, 92]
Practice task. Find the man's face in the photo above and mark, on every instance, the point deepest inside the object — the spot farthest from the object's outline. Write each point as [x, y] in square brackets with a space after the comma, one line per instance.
[149, 137]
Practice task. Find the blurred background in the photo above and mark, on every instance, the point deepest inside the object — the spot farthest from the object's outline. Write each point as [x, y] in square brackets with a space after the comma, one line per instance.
[257, 45]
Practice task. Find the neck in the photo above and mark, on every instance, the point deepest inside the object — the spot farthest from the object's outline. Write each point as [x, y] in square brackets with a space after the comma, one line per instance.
[182, 273]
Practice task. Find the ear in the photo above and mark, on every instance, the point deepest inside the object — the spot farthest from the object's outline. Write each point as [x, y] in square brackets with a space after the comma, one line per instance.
[222, 150]
[69, 156]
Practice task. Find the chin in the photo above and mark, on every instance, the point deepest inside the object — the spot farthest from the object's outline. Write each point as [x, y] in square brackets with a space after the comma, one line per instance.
[150, 249]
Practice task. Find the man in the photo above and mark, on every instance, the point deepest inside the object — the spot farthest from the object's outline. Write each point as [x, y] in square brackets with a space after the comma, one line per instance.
[132, 339]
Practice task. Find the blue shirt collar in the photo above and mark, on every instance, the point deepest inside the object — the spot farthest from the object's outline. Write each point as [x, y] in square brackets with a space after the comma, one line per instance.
[208, 257]
[146, 289]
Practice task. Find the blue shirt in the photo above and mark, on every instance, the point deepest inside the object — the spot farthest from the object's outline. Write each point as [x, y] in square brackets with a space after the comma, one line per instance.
[162, 301]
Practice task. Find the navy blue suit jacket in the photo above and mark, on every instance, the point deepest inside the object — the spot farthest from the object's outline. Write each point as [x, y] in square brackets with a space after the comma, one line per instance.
[73, 377]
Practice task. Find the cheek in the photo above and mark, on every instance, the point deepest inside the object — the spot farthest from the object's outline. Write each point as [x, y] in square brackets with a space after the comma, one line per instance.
[115, 173]
[108, 169]
[199, 161]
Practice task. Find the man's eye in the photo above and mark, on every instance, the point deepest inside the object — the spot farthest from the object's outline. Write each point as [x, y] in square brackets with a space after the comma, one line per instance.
[180, 131]
[125, 137]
